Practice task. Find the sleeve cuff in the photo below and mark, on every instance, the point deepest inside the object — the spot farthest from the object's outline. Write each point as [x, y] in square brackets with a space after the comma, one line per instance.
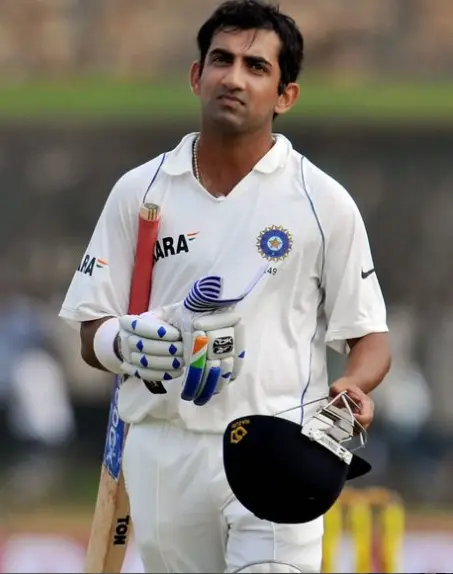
[74, 317]
[337, 339]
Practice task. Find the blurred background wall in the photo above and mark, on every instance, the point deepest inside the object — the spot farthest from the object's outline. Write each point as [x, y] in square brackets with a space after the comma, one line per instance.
[368, 38]
[92, 88]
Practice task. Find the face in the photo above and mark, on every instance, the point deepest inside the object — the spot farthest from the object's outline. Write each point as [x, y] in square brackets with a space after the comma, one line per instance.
[238, 85]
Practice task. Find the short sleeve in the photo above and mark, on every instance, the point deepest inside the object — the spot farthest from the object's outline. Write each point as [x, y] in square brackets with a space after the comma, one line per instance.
[100, 285]
[353, 302]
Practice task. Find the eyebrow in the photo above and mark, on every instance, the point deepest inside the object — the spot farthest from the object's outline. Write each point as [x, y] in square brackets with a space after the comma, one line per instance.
[248, 59]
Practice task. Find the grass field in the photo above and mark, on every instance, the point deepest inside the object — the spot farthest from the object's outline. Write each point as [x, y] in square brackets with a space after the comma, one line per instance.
[100, 100]
[55, 518]
[71, 504]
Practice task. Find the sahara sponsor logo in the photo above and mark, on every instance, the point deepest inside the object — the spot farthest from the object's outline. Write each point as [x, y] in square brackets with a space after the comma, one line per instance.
[168, 246]
[89, 264]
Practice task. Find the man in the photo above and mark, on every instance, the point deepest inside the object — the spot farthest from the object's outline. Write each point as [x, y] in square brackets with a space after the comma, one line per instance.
[233, 197]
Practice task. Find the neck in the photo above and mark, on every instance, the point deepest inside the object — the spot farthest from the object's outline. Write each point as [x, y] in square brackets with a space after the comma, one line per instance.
[226, 159]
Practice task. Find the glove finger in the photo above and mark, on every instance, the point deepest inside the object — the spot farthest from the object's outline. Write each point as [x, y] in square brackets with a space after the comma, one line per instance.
[156, 363]
[196, 366]
[220, 343]
[153, 347]
[212, 321]
[239, 351]
[226, 368]
[150, 374]
[209, 383]
[150, 327]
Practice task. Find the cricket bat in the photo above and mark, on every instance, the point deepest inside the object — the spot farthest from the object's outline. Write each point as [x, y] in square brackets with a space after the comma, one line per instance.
[111, 524]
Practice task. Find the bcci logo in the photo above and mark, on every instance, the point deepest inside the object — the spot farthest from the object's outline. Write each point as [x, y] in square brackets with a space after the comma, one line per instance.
[274, 243]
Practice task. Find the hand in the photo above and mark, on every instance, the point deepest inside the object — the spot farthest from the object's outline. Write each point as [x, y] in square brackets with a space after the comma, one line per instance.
[155, 350]
[151, 349]
[364, 414]
[213, 350]
[202, 333]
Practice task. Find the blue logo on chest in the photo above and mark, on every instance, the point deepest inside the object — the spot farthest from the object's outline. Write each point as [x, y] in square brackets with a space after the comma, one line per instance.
[274, 243]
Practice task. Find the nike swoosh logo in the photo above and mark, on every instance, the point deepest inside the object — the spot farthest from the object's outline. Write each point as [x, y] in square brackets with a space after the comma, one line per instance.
[366, 274]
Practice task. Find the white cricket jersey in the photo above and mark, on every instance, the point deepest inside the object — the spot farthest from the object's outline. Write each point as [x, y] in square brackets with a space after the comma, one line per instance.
[319, 288]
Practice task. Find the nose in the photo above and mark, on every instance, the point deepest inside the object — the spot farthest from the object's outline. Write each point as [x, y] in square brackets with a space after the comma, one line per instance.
[233, 78]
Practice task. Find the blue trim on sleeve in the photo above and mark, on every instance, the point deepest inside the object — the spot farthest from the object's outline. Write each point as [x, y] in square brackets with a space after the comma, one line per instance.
[318, 221]
[321, 287]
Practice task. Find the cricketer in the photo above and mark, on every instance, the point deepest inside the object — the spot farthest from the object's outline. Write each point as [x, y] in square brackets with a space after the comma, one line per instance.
[262, 261]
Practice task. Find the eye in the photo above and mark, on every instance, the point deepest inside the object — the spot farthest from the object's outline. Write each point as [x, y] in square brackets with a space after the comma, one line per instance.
[257, 67]
[219, 59]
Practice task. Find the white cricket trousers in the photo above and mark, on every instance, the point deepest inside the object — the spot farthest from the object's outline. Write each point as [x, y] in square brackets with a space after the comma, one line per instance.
[186, 518]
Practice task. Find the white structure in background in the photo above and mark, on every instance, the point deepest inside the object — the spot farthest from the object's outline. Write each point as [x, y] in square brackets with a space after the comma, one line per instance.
[34, 390]
[404, 400]
[39, 407]
[34, 399]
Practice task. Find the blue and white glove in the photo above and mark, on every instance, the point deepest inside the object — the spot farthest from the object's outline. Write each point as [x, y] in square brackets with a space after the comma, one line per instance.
[208, 340]
[213, 340]
[201, 338]
[151, 349]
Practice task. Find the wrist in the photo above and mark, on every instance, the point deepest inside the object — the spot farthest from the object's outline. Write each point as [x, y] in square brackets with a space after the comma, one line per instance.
[353, 380]
[117, 347]
[105, 346]
[353, 384]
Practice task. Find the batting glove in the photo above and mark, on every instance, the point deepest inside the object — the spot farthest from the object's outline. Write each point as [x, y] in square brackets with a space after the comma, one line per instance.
[213, 340]
[201, 339]
[151, 349]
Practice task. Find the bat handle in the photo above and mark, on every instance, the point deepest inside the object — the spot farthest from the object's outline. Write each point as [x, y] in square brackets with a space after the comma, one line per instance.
[150, 212]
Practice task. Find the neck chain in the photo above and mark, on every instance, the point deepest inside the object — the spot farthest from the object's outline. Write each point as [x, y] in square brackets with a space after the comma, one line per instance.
[196, 164]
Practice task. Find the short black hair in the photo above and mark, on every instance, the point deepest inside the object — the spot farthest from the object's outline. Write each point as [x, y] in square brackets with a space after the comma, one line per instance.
[259, 15]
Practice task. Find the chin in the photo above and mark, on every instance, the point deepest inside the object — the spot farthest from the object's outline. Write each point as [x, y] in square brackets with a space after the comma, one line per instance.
[228, 123]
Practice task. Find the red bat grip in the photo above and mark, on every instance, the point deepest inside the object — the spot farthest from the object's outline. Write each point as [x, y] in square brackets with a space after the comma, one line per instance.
[148, 229]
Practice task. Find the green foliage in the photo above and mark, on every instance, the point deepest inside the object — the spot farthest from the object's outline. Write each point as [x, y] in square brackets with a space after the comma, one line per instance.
[101, 100]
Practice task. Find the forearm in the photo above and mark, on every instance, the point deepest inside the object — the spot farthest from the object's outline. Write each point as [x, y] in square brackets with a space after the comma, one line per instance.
[368, 361]
[88, 331]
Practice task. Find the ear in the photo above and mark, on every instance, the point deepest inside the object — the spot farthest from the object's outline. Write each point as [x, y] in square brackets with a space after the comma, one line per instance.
[195, 72]
[288, 99]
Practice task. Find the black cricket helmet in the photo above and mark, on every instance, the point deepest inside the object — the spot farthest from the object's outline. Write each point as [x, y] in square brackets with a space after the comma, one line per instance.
[289, 473]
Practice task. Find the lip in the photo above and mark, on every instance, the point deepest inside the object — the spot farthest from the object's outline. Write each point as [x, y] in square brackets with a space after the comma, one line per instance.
[231, 99]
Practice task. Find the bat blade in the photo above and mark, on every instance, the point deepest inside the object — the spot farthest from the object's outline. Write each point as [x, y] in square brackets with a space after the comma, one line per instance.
[111, 526]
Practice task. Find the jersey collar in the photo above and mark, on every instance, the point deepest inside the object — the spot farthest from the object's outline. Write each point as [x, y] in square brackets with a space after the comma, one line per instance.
[179, 161]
